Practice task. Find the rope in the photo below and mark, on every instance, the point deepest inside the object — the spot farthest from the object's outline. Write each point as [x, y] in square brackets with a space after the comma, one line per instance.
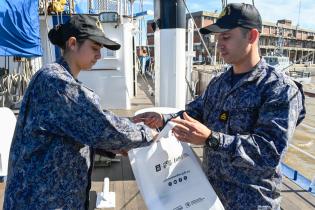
[201, 38]
[46, 22]
[13, 85]
[191, 89]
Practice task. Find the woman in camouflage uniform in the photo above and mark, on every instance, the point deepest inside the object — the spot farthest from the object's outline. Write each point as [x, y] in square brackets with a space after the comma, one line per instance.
[61, 122]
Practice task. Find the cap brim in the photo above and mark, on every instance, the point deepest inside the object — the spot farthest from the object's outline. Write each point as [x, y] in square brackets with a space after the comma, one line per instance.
[106, 42]
[214, 28]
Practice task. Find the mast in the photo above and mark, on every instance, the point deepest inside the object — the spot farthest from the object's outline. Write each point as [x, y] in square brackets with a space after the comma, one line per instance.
[172, 86]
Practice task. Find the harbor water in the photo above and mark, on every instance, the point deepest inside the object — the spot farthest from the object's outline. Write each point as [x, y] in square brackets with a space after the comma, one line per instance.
[304, 138]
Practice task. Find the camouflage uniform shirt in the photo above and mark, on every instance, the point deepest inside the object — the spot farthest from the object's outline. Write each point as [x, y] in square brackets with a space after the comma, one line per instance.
[59, 124]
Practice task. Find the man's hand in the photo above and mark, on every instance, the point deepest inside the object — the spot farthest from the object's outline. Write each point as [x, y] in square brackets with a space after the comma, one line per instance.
[151, 119]
[190, 130]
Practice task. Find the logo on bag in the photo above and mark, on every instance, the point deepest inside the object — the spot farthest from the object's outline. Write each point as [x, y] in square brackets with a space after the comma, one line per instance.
[177, 181]
[187, 204]
[196, 201]
[158, 168]
[178, 208]
[168, 163]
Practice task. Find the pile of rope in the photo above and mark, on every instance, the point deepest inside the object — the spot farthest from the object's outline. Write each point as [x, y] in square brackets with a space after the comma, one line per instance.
[13, 85]
[54, 6]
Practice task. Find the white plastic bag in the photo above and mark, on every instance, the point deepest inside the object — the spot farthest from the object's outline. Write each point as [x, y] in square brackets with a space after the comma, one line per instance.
[170, 177]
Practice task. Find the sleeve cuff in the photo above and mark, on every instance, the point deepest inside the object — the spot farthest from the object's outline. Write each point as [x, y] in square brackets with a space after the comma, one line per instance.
[168, 117]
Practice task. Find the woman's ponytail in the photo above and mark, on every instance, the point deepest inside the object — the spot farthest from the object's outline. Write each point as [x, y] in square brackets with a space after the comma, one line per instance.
[56, 36]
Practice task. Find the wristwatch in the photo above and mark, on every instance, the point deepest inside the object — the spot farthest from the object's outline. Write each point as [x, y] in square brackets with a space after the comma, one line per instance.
[213, 141]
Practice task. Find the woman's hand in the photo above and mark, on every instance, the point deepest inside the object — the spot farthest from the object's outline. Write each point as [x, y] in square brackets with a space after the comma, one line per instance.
[151, 119]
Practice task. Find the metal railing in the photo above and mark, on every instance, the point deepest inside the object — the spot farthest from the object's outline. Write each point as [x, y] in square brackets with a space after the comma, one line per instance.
[294, 175]
[122, 7]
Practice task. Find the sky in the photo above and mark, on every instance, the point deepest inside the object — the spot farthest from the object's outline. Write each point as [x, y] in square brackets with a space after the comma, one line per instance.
[270, 10]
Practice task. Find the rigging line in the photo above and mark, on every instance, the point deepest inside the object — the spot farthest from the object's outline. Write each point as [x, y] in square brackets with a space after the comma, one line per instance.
[141, 23]
[299, 14]
[224, 3]
[71, 7]
[46, 22]
[202, 40]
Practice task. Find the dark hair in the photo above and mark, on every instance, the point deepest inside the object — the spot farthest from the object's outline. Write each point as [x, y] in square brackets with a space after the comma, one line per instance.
[57, 37]
[245, 31]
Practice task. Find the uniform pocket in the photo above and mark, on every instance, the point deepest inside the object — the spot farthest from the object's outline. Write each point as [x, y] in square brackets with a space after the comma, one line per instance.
[243, 120]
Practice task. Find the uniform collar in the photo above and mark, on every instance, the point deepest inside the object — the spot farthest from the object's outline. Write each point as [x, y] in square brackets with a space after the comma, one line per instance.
[64, 64]
[61, 61]
[257, 70]
[254, 73]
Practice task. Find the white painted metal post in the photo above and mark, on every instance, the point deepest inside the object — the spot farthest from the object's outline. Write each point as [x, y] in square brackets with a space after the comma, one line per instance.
[157, 52]
[157, 66]
[172, 68]
[189, 59]
[172, 54]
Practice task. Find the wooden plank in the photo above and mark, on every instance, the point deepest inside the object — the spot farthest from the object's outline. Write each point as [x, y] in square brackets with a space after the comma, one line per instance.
[295, 198]
[122, 182]
[2, 188]
[133, 199]
[114, 173]
[198, 151]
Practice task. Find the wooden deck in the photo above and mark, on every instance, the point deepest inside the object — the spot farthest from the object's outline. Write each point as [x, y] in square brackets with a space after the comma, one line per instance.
[128, 197]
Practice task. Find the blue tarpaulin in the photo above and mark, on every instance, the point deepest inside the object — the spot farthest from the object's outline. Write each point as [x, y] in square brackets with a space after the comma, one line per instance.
[19, 28]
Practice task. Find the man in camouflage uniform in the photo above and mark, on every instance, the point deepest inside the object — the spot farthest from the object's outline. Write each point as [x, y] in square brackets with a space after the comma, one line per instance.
[244, 119]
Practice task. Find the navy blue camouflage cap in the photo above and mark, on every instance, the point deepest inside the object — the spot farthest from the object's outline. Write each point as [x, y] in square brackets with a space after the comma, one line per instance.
[235, 15]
